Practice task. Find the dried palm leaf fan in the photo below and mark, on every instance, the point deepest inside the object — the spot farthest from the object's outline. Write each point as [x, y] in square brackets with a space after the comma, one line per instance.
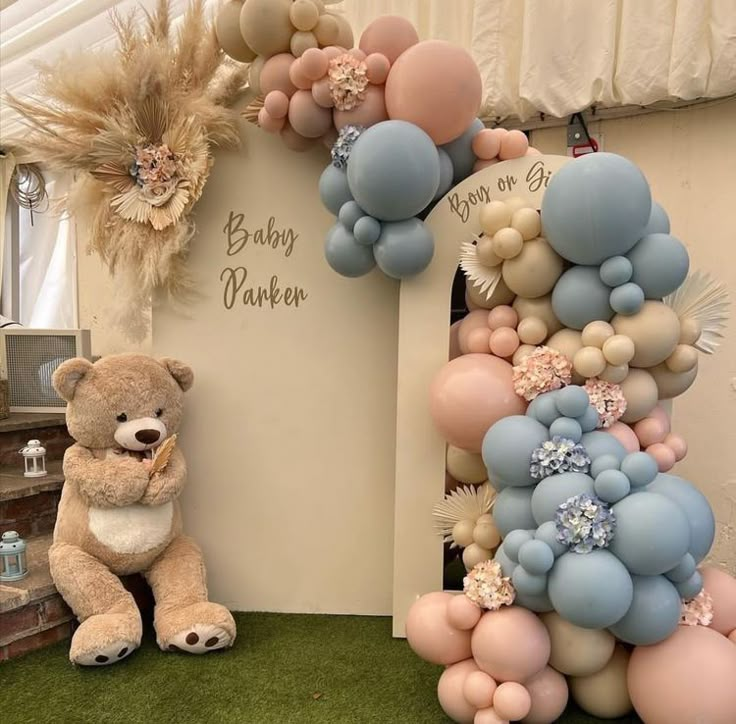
[138, 125]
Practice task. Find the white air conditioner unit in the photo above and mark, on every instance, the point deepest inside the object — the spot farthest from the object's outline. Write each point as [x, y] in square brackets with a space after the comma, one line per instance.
[28, 358]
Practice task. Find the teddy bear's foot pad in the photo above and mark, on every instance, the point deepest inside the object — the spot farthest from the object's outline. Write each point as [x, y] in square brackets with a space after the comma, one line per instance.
[106, 655]
[200, 638]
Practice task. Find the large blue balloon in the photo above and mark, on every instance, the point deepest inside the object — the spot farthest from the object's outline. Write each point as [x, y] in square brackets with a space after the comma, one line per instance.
[660, 265]
[697, 510]
[592, 590]
[580, 297]
[507, 450]
[345, 255]
[554, 490]
[404, 248]
[596, 207]
[461, 151]
[654, 612]
[394, 170]
[538, 603]
[508, 566]
[512, 510]
[333, 188]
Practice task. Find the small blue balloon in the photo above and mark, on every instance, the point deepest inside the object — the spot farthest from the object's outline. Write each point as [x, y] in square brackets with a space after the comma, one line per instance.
[554, 490]
[652, 533]
[627, 299]
[367, 230]
[547, 533]
[404, 248]
[660, 263]
[334, 189]
[640, 468]
[346, 256]
[349, 214]
[592, 590]
[507, 449]
[461, 153]
[659, 222]
[616, 271]
[446, 174]
[536, 557]
[512, 510]
[590, 419]
[580, 297]
[507, 565]
[526, 582]
[604, 462]
[599, 443]
[691, 587]
[572, 401]
[566, 427]
[544, 408]
[654, 612]
[683, 570]
[513, 541]
[611, 485]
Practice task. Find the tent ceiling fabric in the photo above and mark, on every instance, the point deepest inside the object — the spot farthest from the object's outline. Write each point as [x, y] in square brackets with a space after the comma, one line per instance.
[551, 56]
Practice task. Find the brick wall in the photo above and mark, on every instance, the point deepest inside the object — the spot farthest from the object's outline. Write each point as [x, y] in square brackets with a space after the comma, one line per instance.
[31, 516]
[55, 439]
[38, 624]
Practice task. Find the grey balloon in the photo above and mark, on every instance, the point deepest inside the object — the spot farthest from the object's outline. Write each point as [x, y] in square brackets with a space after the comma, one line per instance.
[580, 297]
[333, 188]
[345, 255]
[660, 263]
[555, 490]
[513, 510]
[461, 151]
[404, 248]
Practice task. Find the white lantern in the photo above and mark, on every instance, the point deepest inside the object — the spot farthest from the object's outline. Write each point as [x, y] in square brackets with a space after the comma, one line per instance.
[34, 455]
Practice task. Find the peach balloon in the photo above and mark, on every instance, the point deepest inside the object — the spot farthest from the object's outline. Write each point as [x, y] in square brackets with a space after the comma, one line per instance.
[548, 692]
[479, 341]
[650, 430]
[378, 66]
[512, 701]
[688, 677]
[277, 104]
[372, 110]
[504, 342]
[659, 413]
[389, 35]
[454, 341]
[437, 86]
[513, 145]
[357, 53]
[510, 644]
[275, 75]
[531, 151]
[489, 716]
[314, 63]
[486, 144]
[297, 76]
[625, 435]
[321, 93]
[469, 394]
[478, 689]
[477, 319]
[677, 444]
[732, 636]
[333, 51]
[293, 140]
[722, 588]
[306, 117]
[462, 613]
[268, 123]
[502, 316]
[430, 634]
[664, 456]
[450, 692]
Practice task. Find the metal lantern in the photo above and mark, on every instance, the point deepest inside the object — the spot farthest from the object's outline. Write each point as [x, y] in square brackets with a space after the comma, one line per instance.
[12, 557]
[34, 455]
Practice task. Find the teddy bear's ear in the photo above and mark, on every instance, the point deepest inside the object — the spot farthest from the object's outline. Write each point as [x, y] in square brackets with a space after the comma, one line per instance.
[181, 372]
[67, 376]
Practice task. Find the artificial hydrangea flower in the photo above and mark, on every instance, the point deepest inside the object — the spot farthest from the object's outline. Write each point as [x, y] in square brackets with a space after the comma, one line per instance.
[342, 147]
[487, 587]
[608, 399]
[558, 455]
[698, 611]
[347, 79]
[154, 165]
[542, 371]
[585, 522]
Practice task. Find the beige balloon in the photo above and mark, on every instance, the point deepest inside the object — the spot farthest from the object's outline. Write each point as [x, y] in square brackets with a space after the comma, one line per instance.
[494, 216]
[486, 535]
[615, 374]
[596, 333]
[304, 14]
[577, 651]
[254, 74]
[266, 26]
[605, 694]
[541, 308]
[522, 353]
[474, 554]
[534, 272]
[654, 330]
[465, 467]
[532, 330]
[527, 223]
[683, 359]
[501, 295]
[618, 349]
[689, 330]
[515, 203]
[227, 30]
[507, 242]
[486, 254]
[301, 42]
[462, 532]
[589, 362]
[326, 31]
[568, 342]
[640, 391]
[344, 32]
[672, 384]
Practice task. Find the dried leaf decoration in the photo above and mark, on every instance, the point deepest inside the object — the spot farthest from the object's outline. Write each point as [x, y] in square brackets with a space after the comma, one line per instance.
[162, 456]
[138, 125]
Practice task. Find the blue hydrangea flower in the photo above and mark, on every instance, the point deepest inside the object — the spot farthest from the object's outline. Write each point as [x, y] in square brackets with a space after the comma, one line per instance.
[558, 455]
[342, 147]
[585, 522]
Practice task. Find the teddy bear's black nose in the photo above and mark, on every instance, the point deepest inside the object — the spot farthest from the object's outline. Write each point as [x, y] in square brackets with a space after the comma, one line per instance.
[147, 437]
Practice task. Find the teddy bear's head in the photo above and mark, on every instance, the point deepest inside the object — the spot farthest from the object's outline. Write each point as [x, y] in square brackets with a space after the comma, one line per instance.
[130, 401]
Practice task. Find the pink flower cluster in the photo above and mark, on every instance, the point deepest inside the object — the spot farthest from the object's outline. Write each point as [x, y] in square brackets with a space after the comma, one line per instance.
[542, 371]
[347, 80]
[698, 611]
[486, 586]
[154, 164]
[608, 399]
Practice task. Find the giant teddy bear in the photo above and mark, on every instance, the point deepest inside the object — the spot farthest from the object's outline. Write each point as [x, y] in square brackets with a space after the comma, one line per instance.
[117, 516]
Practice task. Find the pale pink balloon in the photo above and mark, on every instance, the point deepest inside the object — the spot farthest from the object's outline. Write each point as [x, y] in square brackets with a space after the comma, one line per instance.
[454, 341]
[732, 636]
[268, 123]
[468, 395]
[277, 104]
[722, 588]
[333, 51]
[297, 76]
[504, 342]
[306, 117]
[477, 319]
[293, 140]
[511, 701]
[480, 165]
[462, 613]
[430, 634]
[275, 74]
[313, 63]
[489, 716]
[486, 144]
[664, 456]
[321, 93]
[478, 340]
[625, 435]
[688, 677]
[531, 151]
[510, 644]
[659, 413]
[650, 430]
[357, 53]
[502, 316]
[378, 67]
[436, 86]
[549, 693]
[450, 691]
[372, 110]
[513, 145]
[389, 35]
[478, 689]
[677, 444]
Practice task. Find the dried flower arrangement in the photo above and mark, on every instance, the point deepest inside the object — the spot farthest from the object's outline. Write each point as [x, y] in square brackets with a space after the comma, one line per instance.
[138, 125]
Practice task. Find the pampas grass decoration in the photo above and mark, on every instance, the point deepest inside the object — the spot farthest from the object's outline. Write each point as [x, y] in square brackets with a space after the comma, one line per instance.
[484, 278]
[163, 454]
[464, 503]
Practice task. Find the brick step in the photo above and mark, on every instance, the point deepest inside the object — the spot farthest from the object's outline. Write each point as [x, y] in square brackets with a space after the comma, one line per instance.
[20, 427]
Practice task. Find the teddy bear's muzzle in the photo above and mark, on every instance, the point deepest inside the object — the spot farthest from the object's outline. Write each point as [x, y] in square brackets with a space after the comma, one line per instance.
[141, 434]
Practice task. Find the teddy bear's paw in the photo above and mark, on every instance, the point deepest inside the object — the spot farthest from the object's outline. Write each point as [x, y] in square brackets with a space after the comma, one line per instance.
[106, 638]
[201, 638]
[105, 655]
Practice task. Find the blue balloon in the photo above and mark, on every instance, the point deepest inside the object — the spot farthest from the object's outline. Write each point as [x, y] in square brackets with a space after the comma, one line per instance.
[580, 297]
[604, 462]
[572, 401]
[566, 427]
[660, 263]
[367, 230]
[590, 419]
[654, 613]
[683, 570]
[528, 583]
[554, 490]
[627, 299]
[691, 587]
[394, 170]
[539, 603]
[446, 174]
[507, 449]
[345, 255]
[640, 468]
[652, 533]
[596, 207]
[696, 508]
[349, 214]
[659, 222]
[513, 541]
[334, 189]
[599, 443]
[508, 566]
[544, 408]
[611, 485]
[461, 153]
[616, 271]
[547, 533]
[512, 510]
[536, 557]
[404, 248]
[592, 590]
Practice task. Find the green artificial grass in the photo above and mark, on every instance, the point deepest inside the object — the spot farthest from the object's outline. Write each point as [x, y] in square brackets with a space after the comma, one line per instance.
[283, 669]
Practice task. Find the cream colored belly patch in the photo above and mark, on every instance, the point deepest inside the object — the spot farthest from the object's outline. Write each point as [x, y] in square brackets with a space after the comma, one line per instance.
[132, 529]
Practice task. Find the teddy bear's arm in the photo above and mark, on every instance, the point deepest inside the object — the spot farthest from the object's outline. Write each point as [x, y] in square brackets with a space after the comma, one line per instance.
[167, 484]
[105, 483]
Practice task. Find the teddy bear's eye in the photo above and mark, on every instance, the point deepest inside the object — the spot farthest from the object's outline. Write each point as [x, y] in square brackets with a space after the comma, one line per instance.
[159, 412]
[122, 417]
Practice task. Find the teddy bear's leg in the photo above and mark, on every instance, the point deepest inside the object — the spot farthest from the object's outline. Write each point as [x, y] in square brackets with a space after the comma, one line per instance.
[110, 621]
[183, 618]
